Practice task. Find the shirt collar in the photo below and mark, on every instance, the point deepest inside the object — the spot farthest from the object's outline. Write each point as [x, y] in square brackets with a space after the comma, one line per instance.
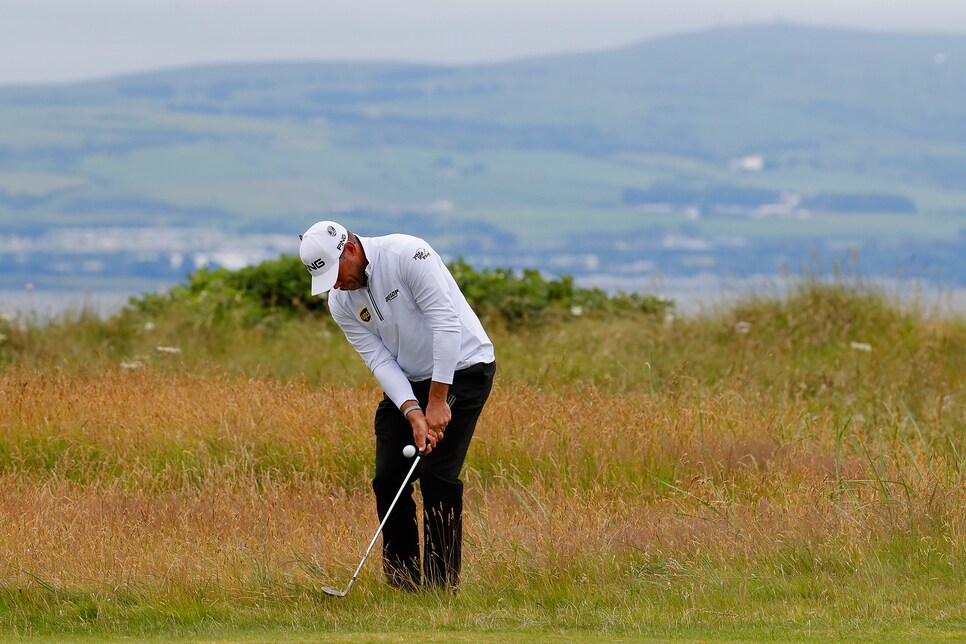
[371, 252]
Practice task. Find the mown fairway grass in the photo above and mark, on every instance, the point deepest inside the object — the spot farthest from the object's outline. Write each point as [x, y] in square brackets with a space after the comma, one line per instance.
[782, 469]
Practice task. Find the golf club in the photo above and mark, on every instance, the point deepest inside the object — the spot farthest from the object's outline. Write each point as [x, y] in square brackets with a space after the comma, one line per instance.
[342, 593]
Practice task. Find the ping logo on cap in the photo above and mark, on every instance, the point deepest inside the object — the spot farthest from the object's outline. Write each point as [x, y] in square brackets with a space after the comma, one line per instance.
[364, 314]
[316, 265]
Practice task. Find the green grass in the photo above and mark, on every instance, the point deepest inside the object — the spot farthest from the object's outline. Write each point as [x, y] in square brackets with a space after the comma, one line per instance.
[695, 603]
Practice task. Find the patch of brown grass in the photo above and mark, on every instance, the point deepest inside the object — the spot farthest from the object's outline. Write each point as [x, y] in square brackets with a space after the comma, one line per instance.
[231, 487]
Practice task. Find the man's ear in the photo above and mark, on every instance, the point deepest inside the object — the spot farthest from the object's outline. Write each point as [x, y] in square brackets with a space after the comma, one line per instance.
[356, 248]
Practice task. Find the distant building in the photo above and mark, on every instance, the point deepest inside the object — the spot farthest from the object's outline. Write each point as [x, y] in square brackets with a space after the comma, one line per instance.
[754, 163]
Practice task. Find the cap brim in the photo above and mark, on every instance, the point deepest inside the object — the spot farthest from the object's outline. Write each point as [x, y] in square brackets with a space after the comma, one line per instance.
[323, 283]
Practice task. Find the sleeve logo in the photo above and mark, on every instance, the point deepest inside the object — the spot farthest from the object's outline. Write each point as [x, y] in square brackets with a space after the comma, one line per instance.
[364, 314]
[422, 253]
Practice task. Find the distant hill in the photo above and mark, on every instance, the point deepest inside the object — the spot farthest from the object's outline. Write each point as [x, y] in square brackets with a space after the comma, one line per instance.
[750, 135]
[716, 95]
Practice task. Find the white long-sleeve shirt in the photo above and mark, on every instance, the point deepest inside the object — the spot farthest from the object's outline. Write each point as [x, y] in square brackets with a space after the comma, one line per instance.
[410, 322]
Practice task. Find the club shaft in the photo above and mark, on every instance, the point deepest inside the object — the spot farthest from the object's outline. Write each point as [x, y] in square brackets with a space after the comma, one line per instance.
[384, 519]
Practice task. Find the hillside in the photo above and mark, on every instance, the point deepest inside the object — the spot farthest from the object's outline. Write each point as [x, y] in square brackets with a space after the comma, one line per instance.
[730, 151]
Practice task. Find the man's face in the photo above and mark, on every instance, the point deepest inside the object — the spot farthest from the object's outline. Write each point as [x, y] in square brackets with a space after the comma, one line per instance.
[352, 268]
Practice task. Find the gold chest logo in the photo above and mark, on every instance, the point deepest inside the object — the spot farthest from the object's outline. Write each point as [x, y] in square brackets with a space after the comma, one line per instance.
[364, 314]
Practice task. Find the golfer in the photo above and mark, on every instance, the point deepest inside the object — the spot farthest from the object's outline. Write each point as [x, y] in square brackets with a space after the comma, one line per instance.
[402, 311]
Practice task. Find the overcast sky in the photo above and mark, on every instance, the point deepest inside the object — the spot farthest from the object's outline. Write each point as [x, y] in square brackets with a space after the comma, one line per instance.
[61, 40]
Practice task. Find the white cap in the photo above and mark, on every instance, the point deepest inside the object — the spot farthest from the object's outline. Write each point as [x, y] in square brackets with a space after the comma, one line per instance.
[320, 250]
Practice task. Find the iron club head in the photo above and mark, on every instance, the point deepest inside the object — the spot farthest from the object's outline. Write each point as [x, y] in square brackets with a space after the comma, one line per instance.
[333, 592]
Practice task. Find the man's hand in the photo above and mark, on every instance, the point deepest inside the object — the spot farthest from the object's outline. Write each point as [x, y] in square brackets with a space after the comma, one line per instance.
[428, 427]
[438, 413]
[424, 437]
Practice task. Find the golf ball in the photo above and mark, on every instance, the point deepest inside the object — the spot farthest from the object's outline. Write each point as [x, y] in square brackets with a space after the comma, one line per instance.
[409, 451]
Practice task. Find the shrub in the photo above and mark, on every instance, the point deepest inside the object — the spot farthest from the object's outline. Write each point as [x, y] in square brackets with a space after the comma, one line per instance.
[278, 288]
[501, 294]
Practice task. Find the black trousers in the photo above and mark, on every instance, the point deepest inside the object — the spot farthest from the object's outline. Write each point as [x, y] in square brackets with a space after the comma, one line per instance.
[439, 481]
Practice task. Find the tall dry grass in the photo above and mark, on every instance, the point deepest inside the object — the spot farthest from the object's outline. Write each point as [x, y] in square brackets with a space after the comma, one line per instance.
[628, 476]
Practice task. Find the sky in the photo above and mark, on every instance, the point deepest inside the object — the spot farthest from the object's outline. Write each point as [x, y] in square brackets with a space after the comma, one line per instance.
[44, 41]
